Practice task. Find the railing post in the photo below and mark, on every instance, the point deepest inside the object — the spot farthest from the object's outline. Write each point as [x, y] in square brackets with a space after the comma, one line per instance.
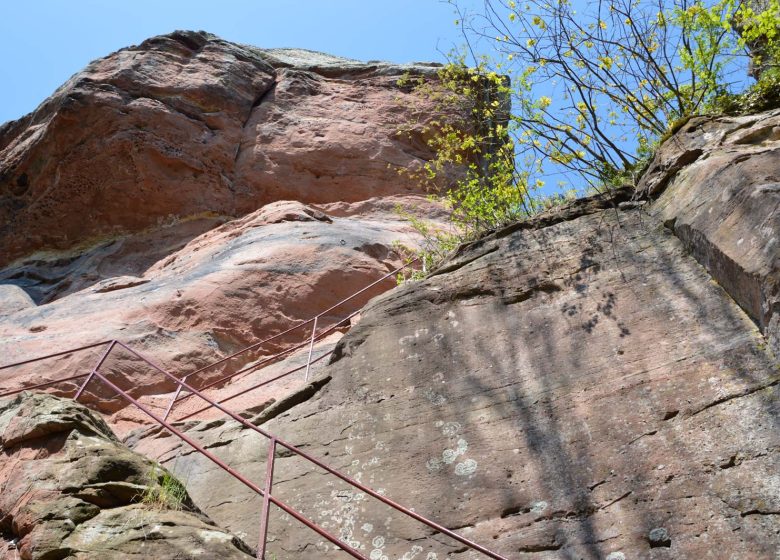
[175, 398]
[94, 369]
[269, 480]
[311, 347]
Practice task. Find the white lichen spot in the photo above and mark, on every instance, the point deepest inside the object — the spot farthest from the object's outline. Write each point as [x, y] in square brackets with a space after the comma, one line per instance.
[434, 464]
[539, 507]
[438, 423]
[416, 549]
[431, 556]
[448, 456]
[367, 527]
[450, 429]
[466, 468]
[208, 536]
[435, 398]
[616, 556]
[438, 337]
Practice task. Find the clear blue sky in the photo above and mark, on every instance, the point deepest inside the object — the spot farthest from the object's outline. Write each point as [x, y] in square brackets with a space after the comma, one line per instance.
[44, 42]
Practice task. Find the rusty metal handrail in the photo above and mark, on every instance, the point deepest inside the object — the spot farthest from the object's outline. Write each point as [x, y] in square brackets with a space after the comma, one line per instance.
[352, 482]
[314, 319]
[274, 442]
[208, 366]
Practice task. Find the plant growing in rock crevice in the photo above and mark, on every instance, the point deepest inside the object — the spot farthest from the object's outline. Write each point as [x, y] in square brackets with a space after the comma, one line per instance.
[164, 491]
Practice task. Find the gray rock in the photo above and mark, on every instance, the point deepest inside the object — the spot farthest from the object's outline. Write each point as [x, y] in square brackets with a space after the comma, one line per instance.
[659, 537]
[70, 489]
[716, 187]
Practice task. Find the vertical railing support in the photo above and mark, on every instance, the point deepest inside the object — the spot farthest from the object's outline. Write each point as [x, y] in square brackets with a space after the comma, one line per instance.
[94, 369]
[175, 398]
[269, 481]
[311, 348]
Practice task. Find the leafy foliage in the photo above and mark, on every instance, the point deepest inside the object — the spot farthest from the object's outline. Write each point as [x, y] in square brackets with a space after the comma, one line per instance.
[597, 84]
[586, 90]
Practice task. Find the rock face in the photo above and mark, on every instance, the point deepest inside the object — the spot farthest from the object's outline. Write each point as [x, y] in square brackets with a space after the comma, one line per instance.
[71, 490]
[227, 288]
[574, 386]
[190, 196]
[187, 123]
[718, 187]
[598, 382]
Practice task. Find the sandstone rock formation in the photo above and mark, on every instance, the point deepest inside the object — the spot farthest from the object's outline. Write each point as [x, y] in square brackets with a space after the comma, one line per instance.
[573, 386]
[185, 124]
[718, 187]
[598, 382]
[237, 283]
[190, 196]
[71, 490]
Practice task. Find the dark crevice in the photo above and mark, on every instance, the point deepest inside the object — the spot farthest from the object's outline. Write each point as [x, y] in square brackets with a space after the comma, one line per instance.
[728, 398]
[758, 512]
[259, 100]
[290, 401]
[540, 547]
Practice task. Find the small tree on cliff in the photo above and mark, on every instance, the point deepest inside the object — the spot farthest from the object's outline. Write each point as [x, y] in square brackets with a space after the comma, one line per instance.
[593, 87]
[597, 84]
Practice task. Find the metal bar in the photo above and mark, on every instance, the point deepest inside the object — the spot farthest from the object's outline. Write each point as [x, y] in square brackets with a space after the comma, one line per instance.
[298, 326]
[47, 356]
[385, 277]
[253, 387]
[94, 370]
[387, 501]
[246, 369]
[271, 358]
[311, 348]
[42, 385]
[221, 361]
[252, 347]
[224, 466]
[173, 400]
[269, 480]
[345, 478]
[319, 530]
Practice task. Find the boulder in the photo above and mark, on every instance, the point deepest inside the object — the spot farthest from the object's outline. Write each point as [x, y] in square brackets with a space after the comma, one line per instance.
[70, 489]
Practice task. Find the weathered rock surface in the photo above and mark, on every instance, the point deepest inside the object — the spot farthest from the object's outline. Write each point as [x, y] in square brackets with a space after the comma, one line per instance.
[70, 489]
[187, 123]
[190, 196]
[598, 382]
[575, 386]
[718, 187]
[225, 289]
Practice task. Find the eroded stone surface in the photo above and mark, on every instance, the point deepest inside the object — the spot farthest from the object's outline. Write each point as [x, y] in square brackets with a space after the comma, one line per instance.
[230, 287]
[560, 389]
[187, 123]
[70, 489]
[717, 184]
[190, 196]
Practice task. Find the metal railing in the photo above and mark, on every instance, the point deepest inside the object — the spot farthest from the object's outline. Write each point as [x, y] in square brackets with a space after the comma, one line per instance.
[274, 442]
